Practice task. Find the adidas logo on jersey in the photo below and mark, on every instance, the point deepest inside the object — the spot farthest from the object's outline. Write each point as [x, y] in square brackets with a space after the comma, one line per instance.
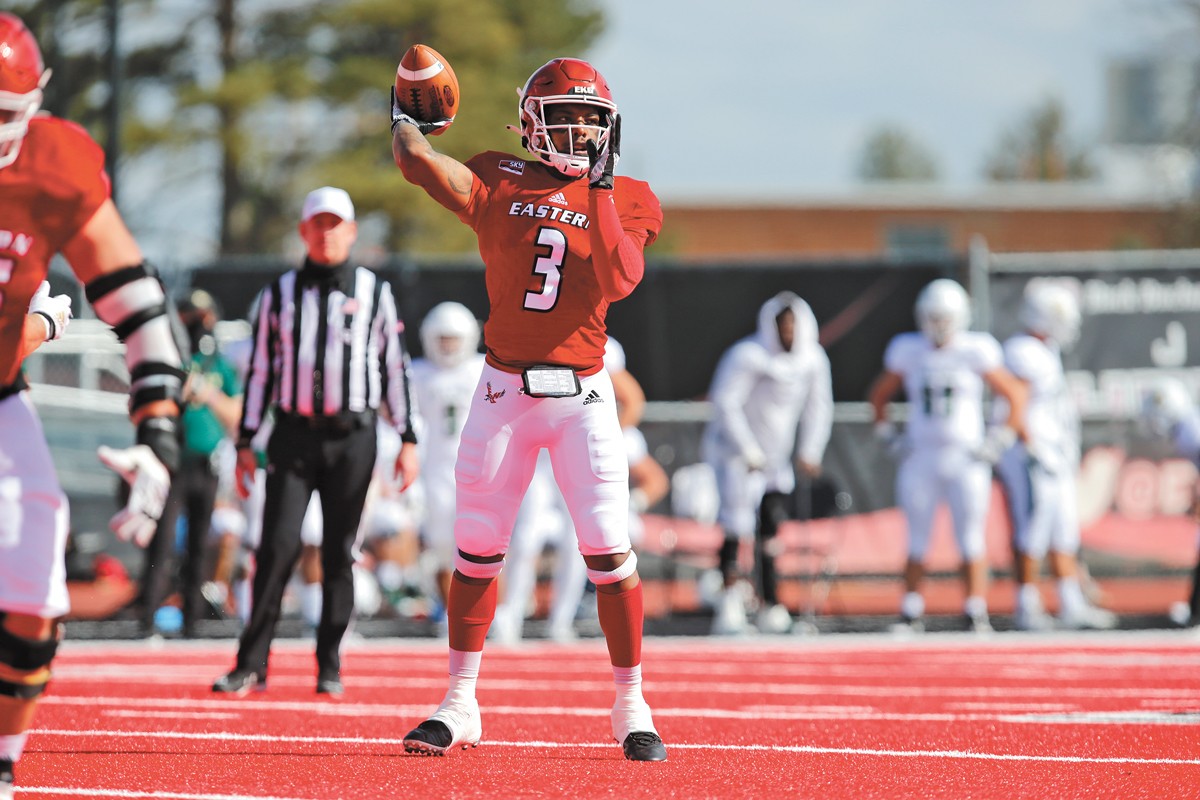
[558, 197]
[592, 397]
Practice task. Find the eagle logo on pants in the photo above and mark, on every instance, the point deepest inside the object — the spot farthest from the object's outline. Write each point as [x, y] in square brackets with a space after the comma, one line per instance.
[491, 396]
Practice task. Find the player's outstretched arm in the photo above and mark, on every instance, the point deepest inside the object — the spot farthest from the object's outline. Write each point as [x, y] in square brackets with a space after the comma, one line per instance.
[104, 246]
[1016, 392]
[883, 389]
[127, 294]
[445, 179]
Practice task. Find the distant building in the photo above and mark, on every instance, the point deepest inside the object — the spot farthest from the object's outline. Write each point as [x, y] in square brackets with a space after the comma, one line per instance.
[907, 221]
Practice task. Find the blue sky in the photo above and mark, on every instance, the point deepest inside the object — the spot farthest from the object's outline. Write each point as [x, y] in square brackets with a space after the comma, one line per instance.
[771, 98]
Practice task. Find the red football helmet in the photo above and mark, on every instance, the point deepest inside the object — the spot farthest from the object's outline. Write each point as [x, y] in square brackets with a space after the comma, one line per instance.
[563, 80]
[22, 76]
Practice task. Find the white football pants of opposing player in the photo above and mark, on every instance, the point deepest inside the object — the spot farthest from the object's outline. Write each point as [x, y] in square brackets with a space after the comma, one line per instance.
[1042, 502]
[954, 475]
[740, 490]
[34, 517]
[503, 435]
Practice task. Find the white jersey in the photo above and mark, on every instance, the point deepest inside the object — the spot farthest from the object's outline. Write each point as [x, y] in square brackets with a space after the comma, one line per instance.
[1050, 417]
[614, 356]
[944, 385]
[443, 398]
[769, 403]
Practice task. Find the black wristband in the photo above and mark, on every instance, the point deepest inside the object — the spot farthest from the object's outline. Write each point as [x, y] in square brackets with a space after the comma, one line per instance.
[50, 323]
[161, 435]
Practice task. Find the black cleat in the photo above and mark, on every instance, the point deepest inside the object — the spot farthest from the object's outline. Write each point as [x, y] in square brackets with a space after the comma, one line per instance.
[644, 746]
[6, 778]
[240, 682]
[455, 724]
[430, 738]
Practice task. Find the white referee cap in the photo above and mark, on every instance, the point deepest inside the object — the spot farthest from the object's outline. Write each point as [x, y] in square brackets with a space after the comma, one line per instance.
[327, 200]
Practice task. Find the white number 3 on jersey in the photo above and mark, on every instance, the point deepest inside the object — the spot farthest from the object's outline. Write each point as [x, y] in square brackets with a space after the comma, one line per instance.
[549, 266]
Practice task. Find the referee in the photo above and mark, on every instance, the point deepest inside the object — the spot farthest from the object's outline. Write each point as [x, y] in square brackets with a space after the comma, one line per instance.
[327, 353]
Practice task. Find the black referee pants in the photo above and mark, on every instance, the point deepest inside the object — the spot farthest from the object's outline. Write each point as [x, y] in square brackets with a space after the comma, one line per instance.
[338, 464]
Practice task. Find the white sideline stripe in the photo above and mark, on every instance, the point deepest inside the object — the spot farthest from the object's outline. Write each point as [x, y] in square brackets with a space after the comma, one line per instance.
[419, 74]
[963, 754]
[666, 684]
[751, 713]
[172, 714]
[155, 795]
[1066, 669]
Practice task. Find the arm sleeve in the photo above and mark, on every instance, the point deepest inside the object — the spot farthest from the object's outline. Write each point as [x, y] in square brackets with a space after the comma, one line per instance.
[616, 252]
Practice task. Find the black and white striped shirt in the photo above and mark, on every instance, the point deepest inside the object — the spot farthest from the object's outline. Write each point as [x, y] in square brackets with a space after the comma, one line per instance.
[327, 342]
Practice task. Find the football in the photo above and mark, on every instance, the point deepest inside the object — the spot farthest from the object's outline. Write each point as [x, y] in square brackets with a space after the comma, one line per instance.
[426, 87]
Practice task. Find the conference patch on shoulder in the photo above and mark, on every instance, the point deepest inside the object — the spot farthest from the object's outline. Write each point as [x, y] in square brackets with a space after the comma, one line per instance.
[513, 166]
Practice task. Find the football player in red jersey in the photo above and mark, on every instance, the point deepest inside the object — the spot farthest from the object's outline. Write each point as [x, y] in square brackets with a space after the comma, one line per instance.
[561, 239]
[55, 198]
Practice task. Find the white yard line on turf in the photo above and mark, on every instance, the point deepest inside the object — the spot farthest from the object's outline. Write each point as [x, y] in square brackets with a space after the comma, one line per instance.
[798, 749]
[123, 793]
[749, 714]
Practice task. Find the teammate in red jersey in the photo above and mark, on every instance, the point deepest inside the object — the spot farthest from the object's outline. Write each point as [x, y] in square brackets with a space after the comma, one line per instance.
[561, 239]
[55, 198]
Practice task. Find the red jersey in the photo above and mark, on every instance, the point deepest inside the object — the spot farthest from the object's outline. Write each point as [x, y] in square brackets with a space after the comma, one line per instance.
[532, 224]
[46, 196]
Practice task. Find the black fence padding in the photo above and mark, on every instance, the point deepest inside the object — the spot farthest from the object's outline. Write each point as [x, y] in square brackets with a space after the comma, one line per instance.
[677, 323]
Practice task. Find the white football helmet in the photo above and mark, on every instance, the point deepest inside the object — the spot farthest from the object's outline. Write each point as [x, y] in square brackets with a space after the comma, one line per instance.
[1051, 310]
[943, 310]
[22, 78]
[1165, 405]
[449, 334]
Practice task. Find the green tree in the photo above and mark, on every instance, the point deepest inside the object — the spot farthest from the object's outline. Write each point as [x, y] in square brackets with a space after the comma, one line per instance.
[1038, 149]
[891, 154]
[274, 100]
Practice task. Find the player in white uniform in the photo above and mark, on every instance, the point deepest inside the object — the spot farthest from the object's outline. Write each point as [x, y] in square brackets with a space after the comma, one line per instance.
[444, 381]
[772, 403]
[946, 456]
[1040, 475]
[1169, 412]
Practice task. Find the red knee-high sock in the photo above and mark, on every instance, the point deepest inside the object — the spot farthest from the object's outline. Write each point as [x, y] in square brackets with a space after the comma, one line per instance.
[621, 617]
[469, 611]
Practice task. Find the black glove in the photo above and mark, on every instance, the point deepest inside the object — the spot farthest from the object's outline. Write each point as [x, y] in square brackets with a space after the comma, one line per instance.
[398, 116]
[603, 163]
